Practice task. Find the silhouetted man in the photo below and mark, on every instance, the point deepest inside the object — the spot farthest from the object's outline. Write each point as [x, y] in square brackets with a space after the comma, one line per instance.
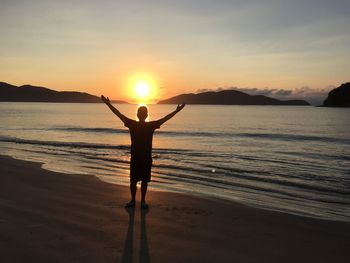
[141, 133]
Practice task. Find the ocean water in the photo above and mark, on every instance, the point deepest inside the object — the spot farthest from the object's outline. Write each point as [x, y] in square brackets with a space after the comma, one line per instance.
[285, 158]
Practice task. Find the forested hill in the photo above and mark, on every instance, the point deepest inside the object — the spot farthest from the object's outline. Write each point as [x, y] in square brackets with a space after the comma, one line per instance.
[29, 93]
[339, 97]
[229, 97]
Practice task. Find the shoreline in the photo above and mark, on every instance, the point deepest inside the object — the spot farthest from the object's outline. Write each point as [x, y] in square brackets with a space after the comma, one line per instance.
[51, 217]
[188, 193]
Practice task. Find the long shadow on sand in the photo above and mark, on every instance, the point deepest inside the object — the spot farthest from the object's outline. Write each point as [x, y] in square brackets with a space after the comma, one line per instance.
[128, 252]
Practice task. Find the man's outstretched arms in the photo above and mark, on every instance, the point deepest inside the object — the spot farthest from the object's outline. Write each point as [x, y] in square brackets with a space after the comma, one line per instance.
[122, 117]
[169, 116]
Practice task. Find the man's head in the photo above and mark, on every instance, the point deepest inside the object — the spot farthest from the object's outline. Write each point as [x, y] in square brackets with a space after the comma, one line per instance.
[142, 113]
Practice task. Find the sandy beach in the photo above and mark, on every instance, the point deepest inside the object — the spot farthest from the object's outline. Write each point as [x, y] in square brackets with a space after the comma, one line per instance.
[51, 217]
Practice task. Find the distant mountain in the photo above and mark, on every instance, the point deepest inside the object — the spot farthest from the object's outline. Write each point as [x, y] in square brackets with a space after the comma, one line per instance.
[28, 93]
[339, 97]
[229, 97]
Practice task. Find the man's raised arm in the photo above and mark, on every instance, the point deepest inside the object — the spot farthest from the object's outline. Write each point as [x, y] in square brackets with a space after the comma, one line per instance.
[169, 116]
[122, 117]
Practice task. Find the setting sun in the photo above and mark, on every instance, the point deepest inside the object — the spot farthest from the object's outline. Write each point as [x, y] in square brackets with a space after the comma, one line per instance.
[142, 89]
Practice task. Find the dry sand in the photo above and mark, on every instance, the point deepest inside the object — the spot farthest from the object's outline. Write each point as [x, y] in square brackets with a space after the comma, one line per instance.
[51, 217]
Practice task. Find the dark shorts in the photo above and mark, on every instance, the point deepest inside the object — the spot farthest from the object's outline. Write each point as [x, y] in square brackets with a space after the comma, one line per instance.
[140, 169]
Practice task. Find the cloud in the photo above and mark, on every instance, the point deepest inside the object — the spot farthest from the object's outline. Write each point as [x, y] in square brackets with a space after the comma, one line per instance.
[203, 90]
[313, 96]
[284, 93]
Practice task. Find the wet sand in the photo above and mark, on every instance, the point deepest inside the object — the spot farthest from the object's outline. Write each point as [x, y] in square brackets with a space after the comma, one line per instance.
[51, 217]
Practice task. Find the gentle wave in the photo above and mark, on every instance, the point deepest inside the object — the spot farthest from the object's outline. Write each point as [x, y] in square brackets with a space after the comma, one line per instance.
[253, 176]
[64, 144]
[294, 137]
[91, 130]
[83, 145]
[267, 189]
[250, 174]
[268, 136]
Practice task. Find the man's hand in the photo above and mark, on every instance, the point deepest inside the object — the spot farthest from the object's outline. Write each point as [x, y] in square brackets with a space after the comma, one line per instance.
[113, 109]
[105, 100]
[172, 114]
[180, 106]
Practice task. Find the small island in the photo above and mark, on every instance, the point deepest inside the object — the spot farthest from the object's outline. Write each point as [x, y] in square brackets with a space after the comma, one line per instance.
[338, 97]
[29, 93]
[230, 97]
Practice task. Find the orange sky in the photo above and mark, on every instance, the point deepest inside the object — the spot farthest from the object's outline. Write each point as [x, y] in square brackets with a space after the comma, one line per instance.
[184, 46]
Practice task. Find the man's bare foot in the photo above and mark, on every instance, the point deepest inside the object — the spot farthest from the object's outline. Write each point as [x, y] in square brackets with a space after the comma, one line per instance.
[130, 204]
[144, 205]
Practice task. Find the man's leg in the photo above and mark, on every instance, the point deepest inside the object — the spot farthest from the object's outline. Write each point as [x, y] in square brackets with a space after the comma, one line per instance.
[144, 185]
[133, 190]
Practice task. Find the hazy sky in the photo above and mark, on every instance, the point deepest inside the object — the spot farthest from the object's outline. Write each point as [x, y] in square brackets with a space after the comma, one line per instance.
[95, 46]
